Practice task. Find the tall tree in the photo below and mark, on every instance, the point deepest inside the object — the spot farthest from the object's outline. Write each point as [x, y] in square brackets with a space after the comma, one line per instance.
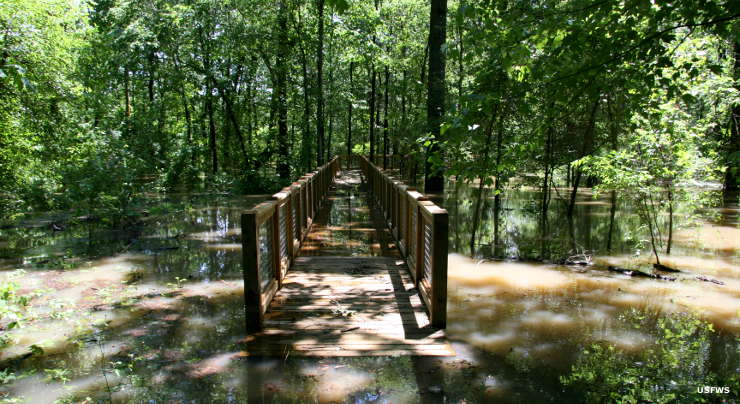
[732, 172]
[433, 171]
[281, 84]
[320, 85]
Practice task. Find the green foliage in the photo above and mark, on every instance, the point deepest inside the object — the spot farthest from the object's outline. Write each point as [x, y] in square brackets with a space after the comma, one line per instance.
[103, 182]
[12, 307]
[670, 371]
[59, 375]
[7, 376]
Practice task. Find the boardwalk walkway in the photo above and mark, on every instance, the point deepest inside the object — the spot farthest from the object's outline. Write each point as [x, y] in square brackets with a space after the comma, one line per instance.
[349, 292]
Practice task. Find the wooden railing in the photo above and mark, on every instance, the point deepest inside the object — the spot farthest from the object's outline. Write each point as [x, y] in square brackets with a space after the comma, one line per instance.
[420, 228]
[272, 233]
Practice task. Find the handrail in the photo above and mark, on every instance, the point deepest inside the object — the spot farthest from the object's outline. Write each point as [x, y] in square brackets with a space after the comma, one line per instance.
[272, 233]
[421, 230]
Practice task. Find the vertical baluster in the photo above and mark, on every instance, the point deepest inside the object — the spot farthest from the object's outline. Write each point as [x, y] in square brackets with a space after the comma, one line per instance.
[276, 261]
[419, 251]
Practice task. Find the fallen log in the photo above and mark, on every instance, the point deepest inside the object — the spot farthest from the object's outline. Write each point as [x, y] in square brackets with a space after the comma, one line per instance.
[638, 273]
[705, 279]
[661, 267]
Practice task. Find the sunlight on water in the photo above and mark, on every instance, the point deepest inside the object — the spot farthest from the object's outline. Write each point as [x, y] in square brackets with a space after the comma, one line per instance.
[534, 309]
[721, 238]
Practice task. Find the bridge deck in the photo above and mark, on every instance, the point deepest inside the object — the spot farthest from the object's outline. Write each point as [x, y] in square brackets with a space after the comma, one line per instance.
[349, 292]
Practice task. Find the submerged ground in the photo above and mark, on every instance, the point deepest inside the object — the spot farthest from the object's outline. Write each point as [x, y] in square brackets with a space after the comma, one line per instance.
[155, 314]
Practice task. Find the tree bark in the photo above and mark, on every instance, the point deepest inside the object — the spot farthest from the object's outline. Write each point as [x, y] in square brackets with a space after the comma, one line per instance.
[434, 175]
[349, 114]
[385, 119]
[320, 87]
[732, 174]
[371, 104]
[228, 104]
[211, 129]
[281, 72]
[587, 149]
[307, 141]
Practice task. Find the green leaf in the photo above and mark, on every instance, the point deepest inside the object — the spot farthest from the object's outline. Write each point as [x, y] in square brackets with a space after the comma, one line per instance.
[339, 6]
[688, 98]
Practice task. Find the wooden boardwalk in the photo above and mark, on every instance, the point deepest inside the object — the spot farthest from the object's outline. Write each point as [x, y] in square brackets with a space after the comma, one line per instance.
[349, 292]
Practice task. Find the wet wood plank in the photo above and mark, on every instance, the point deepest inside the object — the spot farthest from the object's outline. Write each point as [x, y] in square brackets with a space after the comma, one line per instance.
[359, 302]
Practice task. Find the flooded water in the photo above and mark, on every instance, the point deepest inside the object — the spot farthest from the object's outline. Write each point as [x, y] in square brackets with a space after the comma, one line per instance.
[155, 314]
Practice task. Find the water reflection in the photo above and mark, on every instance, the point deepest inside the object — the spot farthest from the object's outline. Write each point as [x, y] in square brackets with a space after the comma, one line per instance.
[600, 226]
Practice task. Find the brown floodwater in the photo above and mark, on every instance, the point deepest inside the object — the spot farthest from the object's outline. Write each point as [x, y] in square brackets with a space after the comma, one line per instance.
[154, 314]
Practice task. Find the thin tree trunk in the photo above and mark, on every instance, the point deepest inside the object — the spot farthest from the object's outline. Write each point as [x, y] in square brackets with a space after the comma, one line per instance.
[377, 116]
[188, 118]
[281, 71]
[385, 119]
[307, 140]
[211, 129]
[320, 87]
[228, 105]
[476, 214]
[481, 181]
[612, 213]
[126, 94]
[587, 149]
[732, 173]
[349, 115]
[461, 52]
[150, 84]
[371, 104]
[670, 222]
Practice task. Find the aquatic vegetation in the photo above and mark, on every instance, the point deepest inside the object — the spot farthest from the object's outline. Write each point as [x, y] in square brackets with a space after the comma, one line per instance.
[12, 308]
[669, 371]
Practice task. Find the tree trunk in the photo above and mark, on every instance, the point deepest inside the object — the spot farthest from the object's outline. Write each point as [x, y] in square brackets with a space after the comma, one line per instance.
[150, 84]
[349, 115]
[320, 87]
[228, 105]
[612, 213]
[377, 116]
[371, 104]
[732, 174]
[385, 119]
[670, 222]
[587, 149]
[211, 129]
[281, 71]
[434, 175]
[481, 180]
[307, 140]
[126, 94]
[461, 49]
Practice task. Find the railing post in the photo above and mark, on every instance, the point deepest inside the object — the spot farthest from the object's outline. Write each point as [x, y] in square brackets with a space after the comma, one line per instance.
[440, 229]
[250, 271]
